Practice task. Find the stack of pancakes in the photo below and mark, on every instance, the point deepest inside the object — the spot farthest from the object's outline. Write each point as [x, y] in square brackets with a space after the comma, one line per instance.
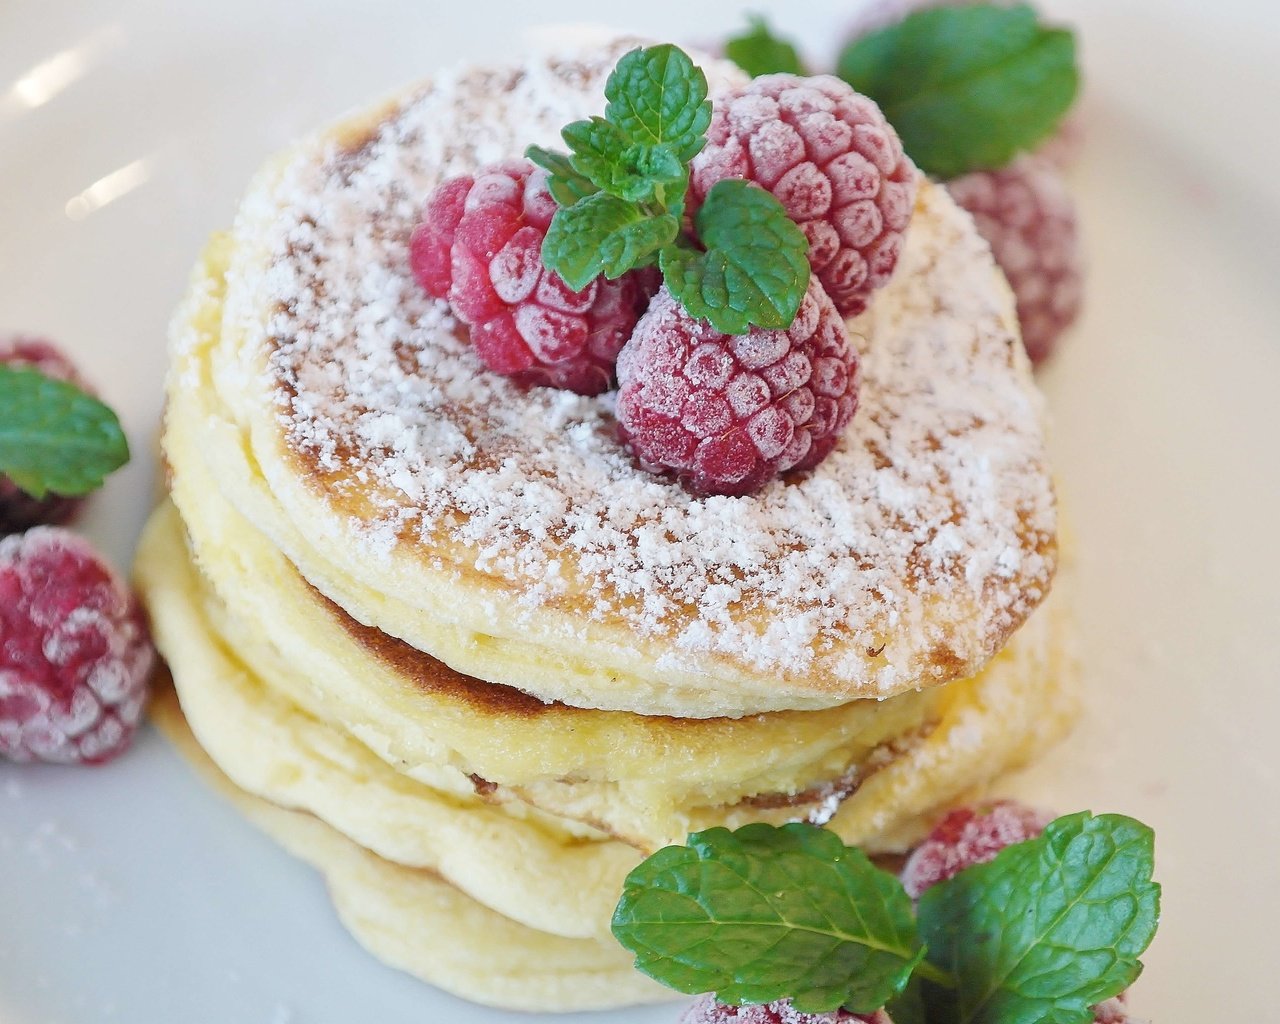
[446, 641]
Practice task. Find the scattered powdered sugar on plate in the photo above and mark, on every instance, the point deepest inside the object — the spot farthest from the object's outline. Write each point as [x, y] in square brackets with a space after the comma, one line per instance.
[938, 492]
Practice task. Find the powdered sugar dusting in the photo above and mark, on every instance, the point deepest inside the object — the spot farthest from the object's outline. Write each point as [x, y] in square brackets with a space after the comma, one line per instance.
[937, 496]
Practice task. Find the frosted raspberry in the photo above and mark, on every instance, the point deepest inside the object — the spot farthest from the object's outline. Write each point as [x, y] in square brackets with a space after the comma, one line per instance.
[705, 1010]
[968, 836]
[727, 412]
[18, 510]
[1026, 215]
[75, 655]
[480, 246]
[829, 156]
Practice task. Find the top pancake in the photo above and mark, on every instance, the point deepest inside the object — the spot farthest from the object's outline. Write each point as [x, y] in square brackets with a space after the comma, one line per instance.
[506, 532]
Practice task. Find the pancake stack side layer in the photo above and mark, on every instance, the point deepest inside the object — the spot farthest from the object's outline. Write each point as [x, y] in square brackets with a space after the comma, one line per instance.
[446, 642]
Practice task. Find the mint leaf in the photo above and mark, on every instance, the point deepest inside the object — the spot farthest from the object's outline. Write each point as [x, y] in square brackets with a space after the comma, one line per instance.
[966, 87]
[1048, 928]
[603, 234]
[658, 95]
[54, 437]
[634, 171]
[648, 172]
[565, 184]
[755, 268]
[596, 146]
[767, 913]
[759, 52]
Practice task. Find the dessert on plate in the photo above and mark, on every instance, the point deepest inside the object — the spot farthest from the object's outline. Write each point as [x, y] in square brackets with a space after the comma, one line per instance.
[446, 635]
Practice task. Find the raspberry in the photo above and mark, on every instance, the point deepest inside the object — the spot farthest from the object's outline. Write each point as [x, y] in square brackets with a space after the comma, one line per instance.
[705, 1010]
[727, 412]
[18, 510]
[480, 246]
[968, 836]
[836, 165]
[1027, 217]
[75, 654]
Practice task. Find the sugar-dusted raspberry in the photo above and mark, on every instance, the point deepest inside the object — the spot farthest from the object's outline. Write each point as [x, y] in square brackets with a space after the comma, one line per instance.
[75, 655]
[705, 1010]
[726, 412]
[968, 836]
[1027, 217]
[480, 246]
[18, 510]
[836, 165]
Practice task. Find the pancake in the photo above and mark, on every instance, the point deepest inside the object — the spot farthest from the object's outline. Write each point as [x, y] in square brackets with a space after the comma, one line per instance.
[441, 637]
[263, 727]
[415, 921]
[507, 534]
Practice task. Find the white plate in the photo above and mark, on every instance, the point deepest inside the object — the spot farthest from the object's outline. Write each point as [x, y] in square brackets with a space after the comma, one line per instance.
[132, 894]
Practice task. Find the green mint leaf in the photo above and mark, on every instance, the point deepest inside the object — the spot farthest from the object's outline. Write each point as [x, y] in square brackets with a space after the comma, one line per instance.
[659, 96]
[759, 52]
[54, 437]
[596, 147]
[650, 173]
[755, 268]
[966, 87]
[1048, 928]
[603, 234]
[565, 184]
[767, 913]
[634, 171]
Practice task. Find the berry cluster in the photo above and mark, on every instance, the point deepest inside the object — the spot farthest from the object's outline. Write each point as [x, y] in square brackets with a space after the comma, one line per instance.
[75, 653]
[722, 413]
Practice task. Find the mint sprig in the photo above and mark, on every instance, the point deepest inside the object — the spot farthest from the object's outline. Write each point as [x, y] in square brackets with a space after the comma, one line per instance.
[765, 913]
[967, 87]
[759, 52]
[54, 437]
[621, 191]
[1047, 929]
